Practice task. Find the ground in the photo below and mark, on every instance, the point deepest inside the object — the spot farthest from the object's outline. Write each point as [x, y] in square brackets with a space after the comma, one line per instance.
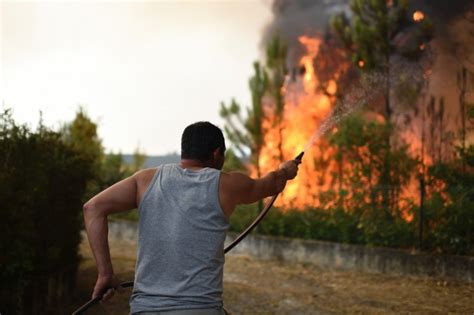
[253, 286]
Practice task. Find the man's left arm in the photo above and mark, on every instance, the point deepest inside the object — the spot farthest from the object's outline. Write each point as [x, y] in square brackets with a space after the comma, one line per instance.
[117, 198]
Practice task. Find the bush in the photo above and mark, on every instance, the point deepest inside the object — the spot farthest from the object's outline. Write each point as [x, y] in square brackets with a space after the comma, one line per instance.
[42, 181]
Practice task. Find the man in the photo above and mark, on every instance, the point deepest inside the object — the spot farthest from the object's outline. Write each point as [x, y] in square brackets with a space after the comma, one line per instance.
[184, 211]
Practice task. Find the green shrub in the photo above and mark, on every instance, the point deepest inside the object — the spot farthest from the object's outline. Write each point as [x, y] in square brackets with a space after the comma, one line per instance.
[42, 182]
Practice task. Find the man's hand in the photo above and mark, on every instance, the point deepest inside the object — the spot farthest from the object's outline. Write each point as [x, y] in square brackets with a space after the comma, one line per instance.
[105, 287]
[290, 168]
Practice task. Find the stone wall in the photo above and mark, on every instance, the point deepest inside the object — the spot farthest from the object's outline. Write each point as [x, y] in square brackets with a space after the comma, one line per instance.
[336, 255]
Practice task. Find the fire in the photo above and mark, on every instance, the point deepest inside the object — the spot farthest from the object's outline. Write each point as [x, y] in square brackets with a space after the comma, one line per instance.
[312, 47]
[418, 16]
[308, 103]
[331, 89]
[305, 109]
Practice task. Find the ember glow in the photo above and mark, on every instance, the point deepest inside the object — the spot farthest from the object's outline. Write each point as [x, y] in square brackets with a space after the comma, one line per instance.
[418, 16]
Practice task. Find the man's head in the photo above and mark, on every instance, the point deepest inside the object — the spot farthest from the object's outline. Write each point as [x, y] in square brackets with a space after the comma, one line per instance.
[204, 142]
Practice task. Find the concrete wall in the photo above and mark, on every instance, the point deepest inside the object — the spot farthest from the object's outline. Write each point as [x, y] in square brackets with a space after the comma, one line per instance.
[336, 255]
[360, 258]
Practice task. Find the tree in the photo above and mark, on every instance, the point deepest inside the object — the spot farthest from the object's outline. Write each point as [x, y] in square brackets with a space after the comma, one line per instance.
[276, 65]
[113, 170]
[377, 31]
[81, 135]
[380, 29]
[362, 143]
[465, 84]
[451, 205]
[245, 132]
[139, 159]
[42, 182]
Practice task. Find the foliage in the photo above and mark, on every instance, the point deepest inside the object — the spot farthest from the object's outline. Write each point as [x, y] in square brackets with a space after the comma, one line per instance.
[450, 209]
[372, 36]
[113, 170]
[361, 150]
[139, 159]
[245, 132]
[81, 135]
[233, 162]
[42, 182]
[335, 225]
[357, 213]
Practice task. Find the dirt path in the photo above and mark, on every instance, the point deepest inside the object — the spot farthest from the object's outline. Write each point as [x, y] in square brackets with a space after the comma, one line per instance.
[252, 286]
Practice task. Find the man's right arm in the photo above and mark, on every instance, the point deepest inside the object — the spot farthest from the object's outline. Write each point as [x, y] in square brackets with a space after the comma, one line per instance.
[238, 188]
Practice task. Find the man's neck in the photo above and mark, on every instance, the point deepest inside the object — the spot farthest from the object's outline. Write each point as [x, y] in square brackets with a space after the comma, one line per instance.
[192, 164]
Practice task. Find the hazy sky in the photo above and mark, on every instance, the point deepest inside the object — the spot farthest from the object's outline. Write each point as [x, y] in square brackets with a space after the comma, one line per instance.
[143, 70]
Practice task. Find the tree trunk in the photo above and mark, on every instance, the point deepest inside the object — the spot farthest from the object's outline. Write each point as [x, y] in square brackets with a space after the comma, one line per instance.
[385, 176]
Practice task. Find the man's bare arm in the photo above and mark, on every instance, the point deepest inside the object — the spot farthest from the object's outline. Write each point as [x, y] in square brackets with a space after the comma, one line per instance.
[238, 188]
[119, 197]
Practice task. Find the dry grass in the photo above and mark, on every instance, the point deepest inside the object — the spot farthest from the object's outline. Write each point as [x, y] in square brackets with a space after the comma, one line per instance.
[253, 286]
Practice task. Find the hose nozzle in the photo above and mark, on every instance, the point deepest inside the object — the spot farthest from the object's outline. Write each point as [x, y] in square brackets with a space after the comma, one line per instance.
[299, 157]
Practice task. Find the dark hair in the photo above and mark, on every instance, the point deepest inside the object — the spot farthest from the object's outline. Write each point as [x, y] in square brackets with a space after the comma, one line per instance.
[200, 140]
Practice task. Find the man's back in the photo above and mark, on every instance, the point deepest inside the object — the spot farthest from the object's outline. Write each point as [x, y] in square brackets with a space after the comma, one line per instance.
[181, 236]
[183, 221]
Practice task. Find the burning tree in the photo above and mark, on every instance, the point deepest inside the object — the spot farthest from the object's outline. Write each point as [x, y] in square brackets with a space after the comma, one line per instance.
[377, 31]
[356, 184]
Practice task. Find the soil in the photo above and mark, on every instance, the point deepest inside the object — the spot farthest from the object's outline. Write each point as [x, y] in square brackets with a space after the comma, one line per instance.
[253, 286]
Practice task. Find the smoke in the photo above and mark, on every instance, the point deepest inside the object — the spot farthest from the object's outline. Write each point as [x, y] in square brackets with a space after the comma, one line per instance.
[446, 10]
[451, 48]
[293, 18]
[453, 22]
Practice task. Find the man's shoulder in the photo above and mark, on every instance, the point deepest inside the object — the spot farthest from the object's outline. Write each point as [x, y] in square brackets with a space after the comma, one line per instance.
[234, 179]
[146, 172]
[144, 176]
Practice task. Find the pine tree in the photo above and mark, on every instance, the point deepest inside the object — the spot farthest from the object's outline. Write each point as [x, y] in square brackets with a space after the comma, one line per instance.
[372, 37]
[276, 64]
[139, 159]
[373, 34]
[245, 132]
[81, 134]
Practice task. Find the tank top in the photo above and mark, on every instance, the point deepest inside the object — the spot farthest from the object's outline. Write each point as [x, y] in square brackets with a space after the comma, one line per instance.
[181, 233]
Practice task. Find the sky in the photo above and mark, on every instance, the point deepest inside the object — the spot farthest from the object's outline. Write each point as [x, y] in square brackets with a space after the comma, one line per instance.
[142, 70]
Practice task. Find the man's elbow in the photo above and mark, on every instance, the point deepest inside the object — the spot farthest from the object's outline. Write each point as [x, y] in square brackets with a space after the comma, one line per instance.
[87, 208]
[90, 209]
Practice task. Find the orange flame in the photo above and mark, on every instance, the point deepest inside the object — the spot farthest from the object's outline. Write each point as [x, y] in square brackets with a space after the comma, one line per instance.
[418, 16]
[305, 109]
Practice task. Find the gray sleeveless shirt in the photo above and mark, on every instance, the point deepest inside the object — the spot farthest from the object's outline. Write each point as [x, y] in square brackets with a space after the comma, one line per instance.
[181, 235]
